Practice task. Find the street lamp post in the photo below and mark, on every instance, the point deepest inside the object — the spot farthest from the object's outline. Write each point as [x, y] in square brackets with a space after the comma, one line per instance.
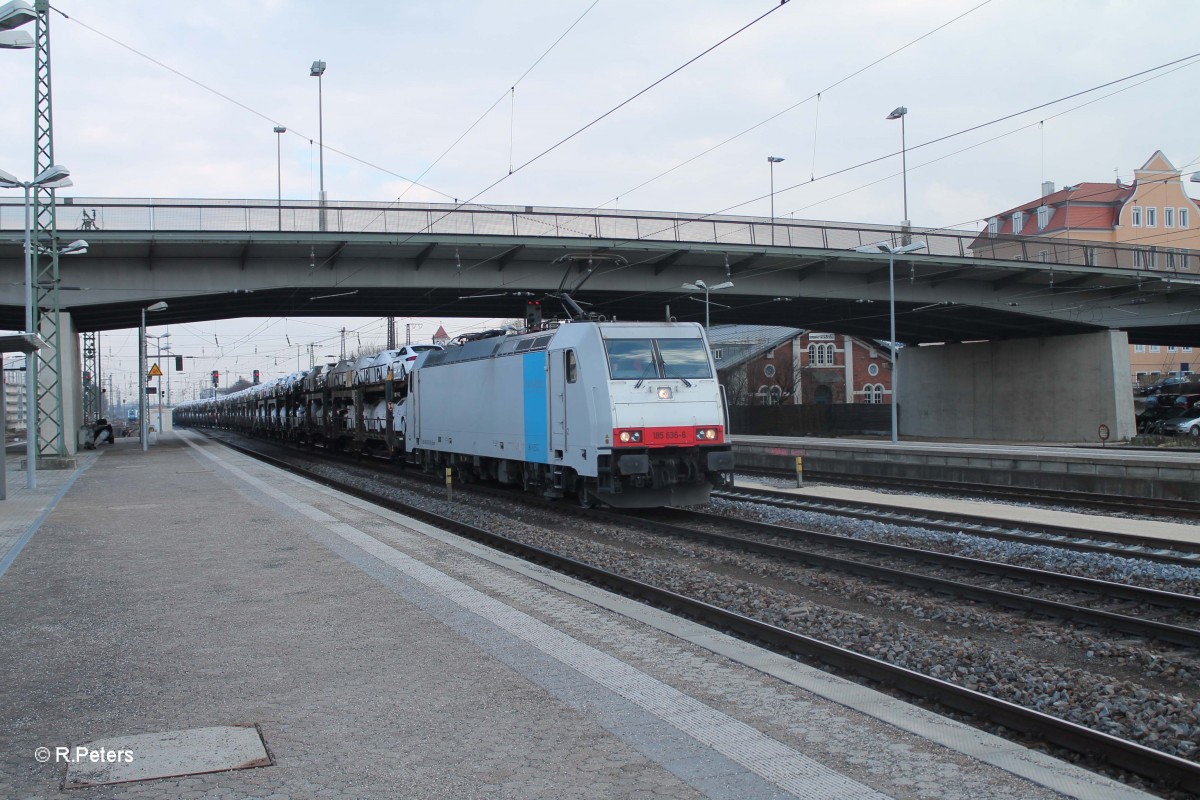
[13, 15]
[900, 113]
[892, 252]
[279, 130]
[56, 177]
[316, 71]
[159, 306]
[1067, 218]
[28, 344]
[773, 160]
[701, 286]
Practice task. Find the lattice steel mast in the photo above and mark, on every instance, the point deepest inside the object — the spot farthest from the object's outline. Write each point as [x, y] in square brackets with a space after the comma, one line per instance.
[49, 413]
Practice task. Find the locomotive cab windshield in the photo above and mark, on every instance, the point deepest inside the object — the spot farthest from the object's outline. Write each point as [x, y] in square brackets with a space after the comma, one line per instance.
[644, 359]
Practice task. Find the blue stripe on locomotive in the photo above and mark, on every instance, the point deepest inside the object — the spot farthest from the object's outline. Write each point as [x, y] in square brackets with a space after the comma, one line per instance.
[537, 428]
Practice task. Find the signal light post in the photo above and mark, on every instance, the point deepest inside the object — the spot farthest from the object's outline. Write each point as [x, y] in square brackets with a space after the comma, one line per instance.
[533, 313]
[143, 407]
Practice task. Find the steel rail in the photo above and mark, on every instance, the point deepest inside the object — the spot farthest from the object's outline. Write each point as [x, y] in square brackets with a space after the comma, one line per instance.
[1084, 540]
[1160, 767]
[1175, 634]
[1188, 509]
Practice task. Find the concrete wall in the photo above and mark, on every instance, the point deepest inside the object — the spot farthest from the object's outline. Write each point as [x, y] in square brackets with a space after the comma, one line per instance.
[70, 378]
[1058, 389]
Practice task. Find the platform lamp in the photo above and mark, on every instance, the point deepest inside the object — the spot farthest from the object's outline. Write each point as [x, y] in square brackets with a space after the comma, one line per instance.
[1069, 190]
[701, 286]
[900, 112]
[892, 252]
[15, 40]
[55, 177]
[316, 71]
[772, 161]
[13, 15]
[159, 306]
[279, 131]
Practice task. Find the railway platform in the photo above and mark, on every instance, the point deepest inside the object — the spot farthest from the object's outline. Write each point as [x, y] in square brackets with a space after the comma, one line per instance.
[243, 632]
[1168, 532]
[1166, 473]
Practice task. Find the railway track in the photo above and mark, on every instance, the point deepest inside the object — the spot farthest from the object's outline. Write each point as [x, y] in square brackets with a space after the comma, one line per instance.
[1027, 532]
[1117, 504]
[1159, 767]
[898, 564]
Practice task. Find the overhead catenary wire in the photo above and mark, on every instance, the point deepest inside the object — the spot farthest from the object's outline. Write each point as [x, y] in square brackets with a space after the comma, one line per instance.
[618, 106]
[459, 205]
[1178, 63]
[814, 176]
[500, 99]
[815, 96]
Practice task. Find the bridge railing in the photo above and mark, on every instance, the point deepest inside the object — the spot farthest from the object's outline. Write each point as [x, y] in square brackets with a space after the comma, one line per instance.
[246, 216]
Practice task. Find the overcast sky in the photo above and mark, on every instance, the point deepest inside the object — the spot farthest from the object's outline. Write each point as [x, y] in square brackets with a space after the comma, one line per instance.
[178, 99]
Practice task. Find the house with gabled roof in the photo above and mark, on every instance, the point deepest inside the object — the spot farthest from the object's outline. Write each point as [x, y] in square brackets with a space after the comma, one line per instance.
[1153, 216]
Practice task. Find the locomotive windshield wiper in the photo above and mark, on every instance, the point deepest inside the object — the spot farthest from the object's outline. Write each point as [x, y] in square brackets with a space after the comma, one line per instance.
[667, 372]
[641, 380]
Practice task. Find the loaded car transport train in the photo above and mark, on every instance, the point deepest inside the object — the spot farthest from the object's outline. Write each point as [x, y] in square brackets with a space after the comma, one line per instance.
[629, 414]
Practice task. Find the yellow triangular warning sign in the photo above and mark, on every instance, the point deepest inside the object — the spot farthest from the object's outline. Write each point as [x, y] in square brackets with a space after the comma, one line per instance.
[155, 372]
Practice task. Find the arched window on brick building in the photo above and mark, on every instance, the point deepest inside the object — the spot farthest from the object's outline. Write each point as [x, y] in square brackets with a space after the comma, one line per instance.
[821, 355]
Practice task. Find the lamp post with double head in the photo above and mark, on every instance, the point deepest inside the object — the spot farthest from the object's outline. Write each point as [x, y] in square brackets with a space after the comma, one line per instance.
[900, 112]
[772, 161]
[701, 286]
[56, 177]
[316, 71]
[892, 252]
[13, 15]
[159, 306]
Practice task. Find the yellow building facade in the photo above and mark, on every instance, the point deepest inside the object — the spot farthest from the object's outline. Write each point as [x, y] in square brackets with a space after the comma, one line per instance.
[1151, 224]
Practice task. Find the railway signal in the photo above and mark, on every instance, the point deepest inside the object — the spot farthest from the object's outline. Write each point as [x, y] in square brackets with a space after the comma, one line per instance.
[533, 313]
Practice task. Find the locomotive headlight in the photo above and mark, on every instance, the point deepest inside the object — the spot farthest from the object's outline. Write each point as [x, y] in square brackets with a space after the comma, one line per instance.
[629, 437]
[706, 434]
[664, 393]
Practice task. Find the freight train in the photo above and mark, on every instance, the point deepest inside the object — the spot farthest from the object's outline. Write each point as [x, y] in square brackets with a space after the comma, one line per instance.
[628, 414]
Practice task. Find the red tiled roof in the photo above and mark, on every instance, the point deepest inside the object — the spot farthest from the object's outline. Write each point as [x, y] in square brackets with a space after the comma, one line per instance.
[1083, 193]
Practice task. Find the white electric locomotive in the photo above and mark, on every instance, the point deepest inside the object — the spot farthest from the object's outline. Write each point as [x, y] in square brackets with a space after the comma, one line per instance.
[626, 413]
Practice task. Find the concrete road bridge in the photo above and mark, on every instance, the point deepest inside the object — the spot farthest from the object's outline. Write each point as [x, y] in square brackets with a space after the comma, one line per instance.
[1059, 319]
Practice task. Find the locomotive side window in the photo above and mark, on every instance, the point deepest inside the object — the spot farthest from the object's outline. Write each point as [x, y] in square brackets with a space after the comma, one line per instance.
[571, 365]
[631, 359]
[684, 358]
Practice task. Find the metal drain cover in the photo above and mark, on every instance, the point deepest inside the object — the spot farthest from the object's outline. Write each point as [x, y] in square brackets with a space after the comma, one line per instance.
[170, 754]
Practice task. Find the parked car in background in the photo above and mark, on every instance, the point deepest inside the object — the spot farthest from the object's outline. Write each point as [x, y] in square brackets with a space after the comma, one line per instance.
[1180, 426]
[1152, 418]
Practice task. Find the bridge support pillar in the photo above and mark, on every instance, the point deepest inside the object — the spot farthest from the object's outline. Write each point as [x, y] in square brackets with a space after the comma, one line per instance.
[70, 385]
[1057, 389]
